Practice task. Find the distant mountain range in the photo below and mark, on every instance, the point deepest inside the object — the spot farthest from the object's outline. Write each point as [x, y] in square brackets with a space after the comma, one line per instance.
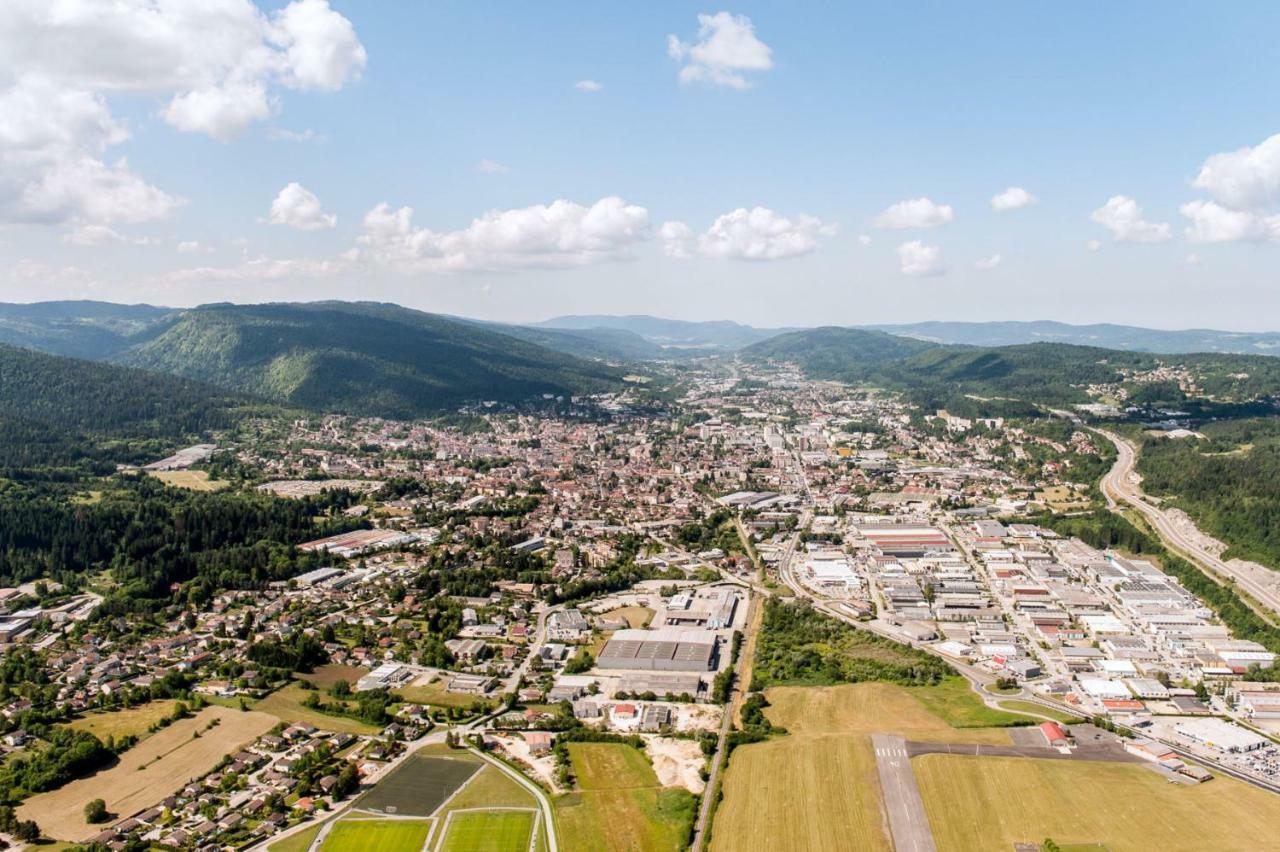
[672, 335]
[382, 359]
[1104, 335]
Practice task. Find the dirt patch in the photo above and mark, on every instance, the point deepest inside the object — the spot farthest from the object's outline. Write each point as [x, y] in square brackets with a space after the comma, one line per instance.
[677, 763]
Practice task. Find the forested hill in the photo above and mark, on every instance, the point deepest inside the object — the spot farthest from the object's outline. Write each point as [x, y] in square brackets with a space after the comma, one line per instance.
[60, 411]
[362, 358]
[835, 352]
[1053, 373]
[80, 329]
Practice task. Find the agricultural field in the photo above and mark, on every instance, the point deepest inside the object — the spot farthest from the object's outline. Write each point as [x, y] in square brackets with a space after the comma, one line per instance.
[816, 787]
[326, 676]
[192, 480]
[488, 831]
[149, 771]
[620, 805]
[130, 722]
[377, 835]
[286, 705]
[979, 803]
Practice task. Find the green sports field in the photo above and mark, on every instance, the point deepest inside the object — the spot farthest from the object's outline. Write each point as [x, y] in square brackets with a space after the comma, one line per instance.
[377, 835]
[488, 831]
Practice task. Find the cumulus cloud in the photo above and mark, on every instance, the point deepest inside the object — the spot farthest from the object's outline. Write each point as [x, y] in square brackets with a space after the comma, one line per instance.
[96, 236]
[491, 167]
[587, 86]
[1213, 223]
[191, 247]
[1123, 218]
[263, 269]
[988, 262]
[562, 233]
[915, 213]
[1013, 198]
[1093, 245]
[677, 240]
[298, 207]
[1244, 179]
[222, 112]
[216, 66]
[726, 47]
[52, 143]
[761, 234]
[919, 260]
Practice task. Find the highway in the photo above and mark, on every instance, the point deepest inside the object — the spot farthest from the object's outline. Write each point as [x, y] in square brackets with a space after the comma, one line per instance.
[1121, 485]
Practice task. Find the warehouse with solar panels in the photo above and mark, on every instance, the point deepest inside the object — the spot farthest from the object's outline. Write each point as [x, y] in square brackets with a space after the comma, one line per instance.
[670, 650]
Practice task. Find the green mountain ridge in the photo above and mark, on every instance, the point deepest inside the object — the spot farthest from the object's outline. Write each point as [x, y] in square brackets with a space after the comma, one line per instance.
[361, 358]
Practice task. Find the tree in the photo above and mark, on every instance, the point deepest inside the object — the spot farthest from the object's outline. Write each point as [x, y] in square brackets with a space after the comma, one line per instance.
[27, 831]
[96, 812]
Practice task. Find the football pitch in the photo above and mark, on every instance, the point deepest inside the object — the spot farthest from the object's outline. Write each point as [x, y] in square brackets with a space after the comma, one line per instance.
[377, 835]
[419, 786]
[488, 831]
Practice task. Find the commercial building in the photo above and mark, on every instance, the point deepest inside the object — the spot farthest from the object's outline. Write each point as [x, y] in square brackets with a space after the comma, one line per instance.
[1221, 735]
[668, 649]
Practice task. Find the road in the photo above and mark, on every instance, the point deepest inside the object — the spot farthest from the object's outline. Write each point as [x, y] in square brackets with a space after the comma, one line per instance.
[548, 818]
[1121, 485]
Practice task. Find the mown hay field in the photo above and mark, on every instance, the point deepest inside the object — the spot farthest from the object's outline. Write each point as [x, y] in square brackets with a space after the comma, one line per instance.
[979, 803]
[621, 806]
[149, 771]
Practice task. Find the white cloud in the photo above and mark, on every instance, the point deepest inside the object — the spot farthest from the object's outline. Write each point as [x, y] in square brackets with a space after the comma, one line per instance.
[263, 269]
[677, 240]
[915, 213]
[558, 234]
[726, 47]
[222, 112]
[1123, 218]
[988, 262]
[52, 143]
[1013, 198]
[1093, 245]
[321, 47]
[1213, 223]
[1193, 259]
[193, 247]
[95, 236]
[491, 167]
[217, 63]
[298, 207]
[864, 240]
[761, 234]
[281, 134]
[587, 86]
[1244, 179]
[919, 260]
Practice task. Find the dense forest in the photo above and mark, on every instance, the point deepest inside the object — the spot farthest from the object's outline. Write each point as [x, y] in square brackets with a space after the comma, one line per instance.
[799, 645]
[152, 537]
[68, 413]
[1230, 483]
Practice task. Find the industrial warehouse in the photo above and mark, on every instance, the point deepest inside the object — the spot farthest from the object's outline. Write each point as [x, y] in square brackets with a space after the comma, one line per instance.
[669, 649]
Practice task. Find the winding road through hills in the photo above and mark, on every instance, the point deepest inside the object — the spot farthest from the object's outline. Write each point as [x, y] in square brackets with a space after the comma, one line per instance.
[1121, 485]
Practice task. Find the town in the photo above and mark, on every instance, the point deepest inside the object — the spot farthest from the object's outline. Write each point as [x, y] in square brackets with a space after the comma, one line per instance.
[520, 581]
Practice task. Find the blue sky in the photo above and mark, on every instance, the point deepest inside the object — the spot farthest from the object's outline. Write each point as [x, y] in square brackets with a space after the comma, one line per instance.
[739, 174]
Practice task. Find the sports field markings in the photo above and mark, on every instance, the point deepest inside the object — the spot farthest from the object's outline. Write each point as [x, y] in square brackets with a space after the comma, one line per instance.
[448, 821]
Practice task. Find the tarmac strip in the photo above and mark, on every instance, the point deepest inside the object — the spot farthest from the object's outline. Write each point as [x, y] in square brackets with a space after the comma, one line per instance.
[908, 821]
